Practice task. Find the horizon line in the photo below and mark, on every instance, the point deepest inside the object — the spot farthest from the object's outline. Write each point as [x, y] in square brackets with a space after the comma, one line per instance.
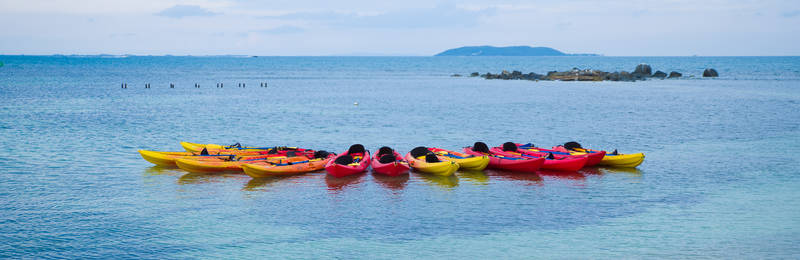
[369, 55]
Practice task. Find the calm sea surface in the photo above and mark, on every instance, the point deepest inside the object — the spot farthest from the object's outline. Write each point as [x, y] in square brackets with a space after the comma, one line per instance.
[721, 178]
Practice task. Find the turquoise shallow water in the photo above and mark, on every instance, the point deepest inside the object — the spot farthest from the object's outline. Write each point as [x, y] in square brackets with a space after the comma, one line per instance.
[720, 179]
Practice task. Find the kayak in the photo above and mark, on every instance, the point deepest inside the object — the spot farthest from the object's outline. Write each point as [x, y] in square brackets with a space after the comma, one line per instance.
[465, 161]
[500, 162]
[389, 162]
[211, 165]
[423, 160]
[613, 159]
[195, 147]
[592, 158]
[355, 160]
[552, 161]
[290, 166]
[167, 159]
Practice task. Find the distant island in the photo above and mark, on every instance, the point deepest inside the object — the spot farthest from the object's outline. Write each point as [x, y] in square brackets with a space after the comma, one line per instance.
[506, 51]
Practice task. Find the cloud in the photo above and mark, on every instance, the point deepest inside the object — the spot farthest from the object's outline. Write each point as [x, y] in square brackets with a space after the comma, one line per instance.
[286, 29]
[180, 11]
[442, 16]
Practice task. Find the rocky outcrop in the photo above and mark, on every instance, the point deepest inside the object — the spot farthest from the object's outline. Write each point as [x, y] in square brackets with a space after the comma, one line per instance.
[643, 69]
[455, 75]
[642, 72]
[710, 73]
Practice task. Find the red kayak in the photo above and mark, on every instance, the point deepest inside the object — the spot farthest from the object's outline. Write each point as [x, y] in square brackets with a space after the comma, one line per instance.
[501, 162]
[552, 161]
[355, 160]
[389, 162]
[593, 158]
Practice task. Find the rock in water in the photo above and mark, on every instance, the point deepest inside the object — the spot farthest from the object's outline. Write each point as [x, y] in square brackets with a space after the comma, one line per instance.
[643, 69]
[660, 74]
[474, 74]
[710, 73]
[455, 75]
[675, 74]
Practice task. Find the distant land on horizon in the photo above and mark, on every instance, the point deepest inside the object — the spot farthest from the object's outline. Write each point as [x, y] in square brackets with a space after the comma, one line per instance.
[506, 51]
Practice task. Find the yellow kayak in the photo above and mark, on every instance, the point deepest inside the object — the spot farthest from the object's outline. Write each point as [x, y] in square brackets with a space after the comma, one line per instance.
[465, 161]
[195, 147]
[219, 165]
[428, 162]
[623, 160]
[612, 159]
[167, 159]
[298, 165]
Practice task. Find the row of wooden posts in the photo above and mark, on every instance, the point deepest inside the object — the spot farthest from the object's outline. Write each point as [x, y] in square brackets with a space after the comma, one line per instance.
[196, 85]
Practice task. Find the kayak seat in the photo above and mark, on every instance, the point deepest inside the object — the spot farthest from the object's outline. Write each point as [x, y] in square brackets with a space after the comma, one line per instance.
[384, 150]
[509, 147]
[344, 160]
[386, 158]
[432, 158]
[419, 151]
[356, 148]
[572, 145]
[321, 154]
[480, 147]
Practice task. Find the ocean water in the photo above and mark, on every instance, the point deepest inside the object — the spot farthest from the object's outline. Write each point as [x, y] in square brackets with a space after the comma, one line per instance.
[720, 179]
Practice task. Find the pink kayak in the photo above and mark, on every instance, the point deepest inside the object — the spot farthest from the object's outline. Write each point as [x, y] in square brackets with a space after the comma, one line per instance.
[501, 162]
[355, 160]
[389, 162]
[552, 161]
[592, 158]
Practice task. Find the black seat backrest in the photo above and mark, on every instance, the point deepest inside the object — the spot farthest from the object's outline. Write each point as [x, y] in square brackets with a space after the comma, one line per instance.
[572, 145]
[510, 147]
[344, 160]
[432, 158]
[480, 147]
[356, 148]
[321, 154]
[419, 151]
[550, 156]
[385, 150]
[204, 151]
[387, 158]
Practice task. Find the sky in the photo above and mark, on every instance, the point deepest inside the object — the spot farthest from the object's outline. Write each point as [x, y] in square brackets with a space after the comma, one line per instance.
[409, 27]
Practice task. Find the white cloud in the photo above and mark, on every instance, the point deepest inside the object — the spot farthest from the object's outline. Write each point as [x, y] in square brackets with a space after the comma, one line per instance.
[180, 11]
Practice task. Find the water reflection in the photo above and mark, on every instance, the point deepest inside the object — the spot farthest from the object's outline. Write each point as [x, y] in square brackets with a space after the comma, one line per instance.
[590, 171]
[525, 178]
[198, 178]
[441, 181]
[630, 171]
[261, 183]
[392, 182]
[159, 170]
[562, 174]
[336, 184]
[477, 177]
